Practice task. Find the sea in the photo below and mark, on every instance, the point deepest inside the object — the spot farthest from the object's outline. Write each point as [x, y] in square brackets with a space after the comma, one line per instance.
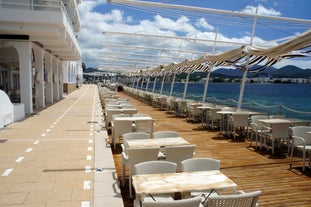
[291, 100]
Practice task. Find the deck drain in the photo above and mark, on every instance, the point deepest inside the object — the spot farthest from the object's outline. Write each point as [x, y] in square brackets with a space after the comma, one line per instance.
[92, 122]
[99, 169]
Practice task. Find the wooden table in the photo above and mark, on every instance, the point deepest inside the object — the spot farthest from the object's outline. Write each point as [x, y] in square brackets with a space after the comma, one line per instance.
[158, 142]
[181, 182]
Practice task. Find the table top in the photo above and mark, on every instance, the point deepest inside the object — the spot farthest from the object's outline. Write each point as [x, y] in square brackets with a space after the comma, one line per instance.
[132, 118]
[181, 182]
[158, 142]
[274, 121]
[120, 109]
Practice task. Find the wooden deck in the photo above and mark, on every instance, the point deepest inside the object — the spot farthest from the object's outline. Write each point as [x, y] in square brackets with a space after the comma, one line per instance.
[251, 169]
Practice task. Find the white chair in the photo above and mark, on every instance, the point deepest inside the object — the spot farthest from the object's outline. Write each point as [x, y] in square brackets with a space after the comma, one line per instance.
[137, 155]
[179, 153]
[241, 121]
[279, 116]
[182, 108]
[155, 167]
[301, 139]
[236, 200]
[201, 164]
[126, 137]
[144, 126]
[120, 127]
[195, 114]
[165, 134]
[141, 115]
[279, 132]
[190, 202]
[213, 117]
[257, 128]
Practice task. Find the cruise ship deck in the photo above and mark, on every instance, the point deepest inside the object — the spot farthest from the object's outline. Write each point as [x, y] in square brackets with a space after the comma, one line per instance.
[250, 169]
[59, 157]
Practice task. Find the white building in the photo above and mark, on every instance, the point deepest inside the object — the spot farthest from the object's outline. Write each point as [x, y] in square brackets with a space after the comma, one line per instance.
[39, 51]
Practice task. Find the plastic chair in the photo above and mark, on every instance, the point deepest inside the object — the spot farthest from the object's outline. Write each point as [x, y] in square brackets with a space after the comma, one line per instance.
[179, 153]
[137, 155]
[120, 127]
[195, 113]
[213, 117]
[129, 136]
[201, 164]
[239, 120]
[154, 167]
[278, 132]
[164, 134]
[279, 116]
[190, 202]
[257, 128]
[144, 126]
[301, 139]
[236, 200]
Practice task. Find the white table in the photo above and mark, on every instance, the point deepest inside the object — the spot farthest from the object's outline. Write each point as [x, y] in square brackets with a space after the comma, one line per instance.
[133, 118]
[158, 142]
[181, 182]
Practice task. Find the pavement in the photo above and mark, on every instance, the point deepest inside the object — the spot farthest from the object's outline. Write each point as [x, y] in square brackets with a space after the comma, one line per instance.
[59, 156]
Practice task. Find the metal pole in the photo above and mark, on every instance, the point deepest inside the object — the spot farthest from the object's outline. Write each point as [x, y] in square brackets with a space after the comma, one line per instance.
[172, 85]
[147, 85]
[186, 86]
[163, 78]
[154, 83]
[206, 84]
[242, 87]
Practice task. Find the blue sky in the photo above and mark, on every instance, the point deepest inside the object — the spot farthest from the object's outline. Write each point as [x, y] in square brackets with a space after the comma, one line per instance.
[99, 16]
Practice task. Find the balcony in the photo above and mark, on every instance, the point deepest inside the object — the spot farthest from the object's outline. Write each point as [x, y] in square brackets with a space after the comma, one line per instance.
[51, 24]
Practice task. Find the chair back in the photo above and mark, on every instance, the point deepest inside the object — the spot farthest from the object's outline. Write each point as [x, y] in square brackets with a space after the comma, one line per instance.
[134, 135]
[165, 134]
[179, 153]
[240, 119]
[280, 130]
[154, 167]
[279, 116]
[200, 164]
[144, 126]
[228, 109]
[236, 200]
[257, 125]
[138, 155]
[214, 115]
[121, 127]
[119, 115]
[190, 202]
[302, 132]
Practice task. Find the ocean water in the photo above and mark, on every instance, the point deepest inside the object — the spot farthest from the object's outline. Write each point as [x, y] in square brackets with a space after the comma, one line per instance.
[293, 100]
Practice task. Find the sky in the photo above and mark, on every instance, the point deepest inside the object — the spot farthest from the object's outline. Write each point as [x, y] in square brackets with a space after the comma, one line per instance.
[117, 37]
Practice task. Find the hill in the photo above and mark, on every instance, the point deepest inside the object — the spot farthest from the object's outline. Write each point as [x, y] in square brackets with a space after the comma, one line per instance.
[289, 71]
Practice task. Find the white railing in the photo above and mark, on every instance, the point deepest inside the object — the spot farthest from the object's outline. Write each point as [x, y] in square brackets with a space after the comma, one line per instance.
[47, 5]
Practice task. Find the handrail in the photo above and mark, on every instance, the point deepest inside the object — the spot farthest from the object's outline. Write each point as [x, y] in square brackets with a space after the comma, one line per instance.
[251, 105]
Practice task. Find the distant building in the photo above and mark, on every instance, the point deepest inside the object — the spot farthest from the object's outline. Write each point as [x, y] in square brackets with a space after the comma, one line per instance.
[39, 52]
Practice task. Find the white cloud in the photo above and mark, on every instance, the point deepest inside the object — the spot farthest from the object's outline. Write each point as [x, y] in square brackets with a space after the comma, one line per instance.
[204, 24]
[261, 11]
[93, 24]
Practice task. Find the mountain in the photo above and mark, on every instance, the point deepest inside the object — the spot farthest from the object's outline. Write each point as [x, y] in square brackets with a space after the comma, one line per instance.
[289, 71]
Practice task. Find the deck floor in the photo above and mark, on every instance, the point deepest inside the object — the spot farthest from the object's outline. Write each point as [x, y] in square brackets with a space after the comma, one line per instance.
[251, 169]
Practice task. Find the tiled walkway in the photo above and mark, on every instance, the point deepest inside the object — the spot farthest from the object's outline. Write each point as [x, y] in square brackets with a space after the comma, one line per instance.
[58, 157]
